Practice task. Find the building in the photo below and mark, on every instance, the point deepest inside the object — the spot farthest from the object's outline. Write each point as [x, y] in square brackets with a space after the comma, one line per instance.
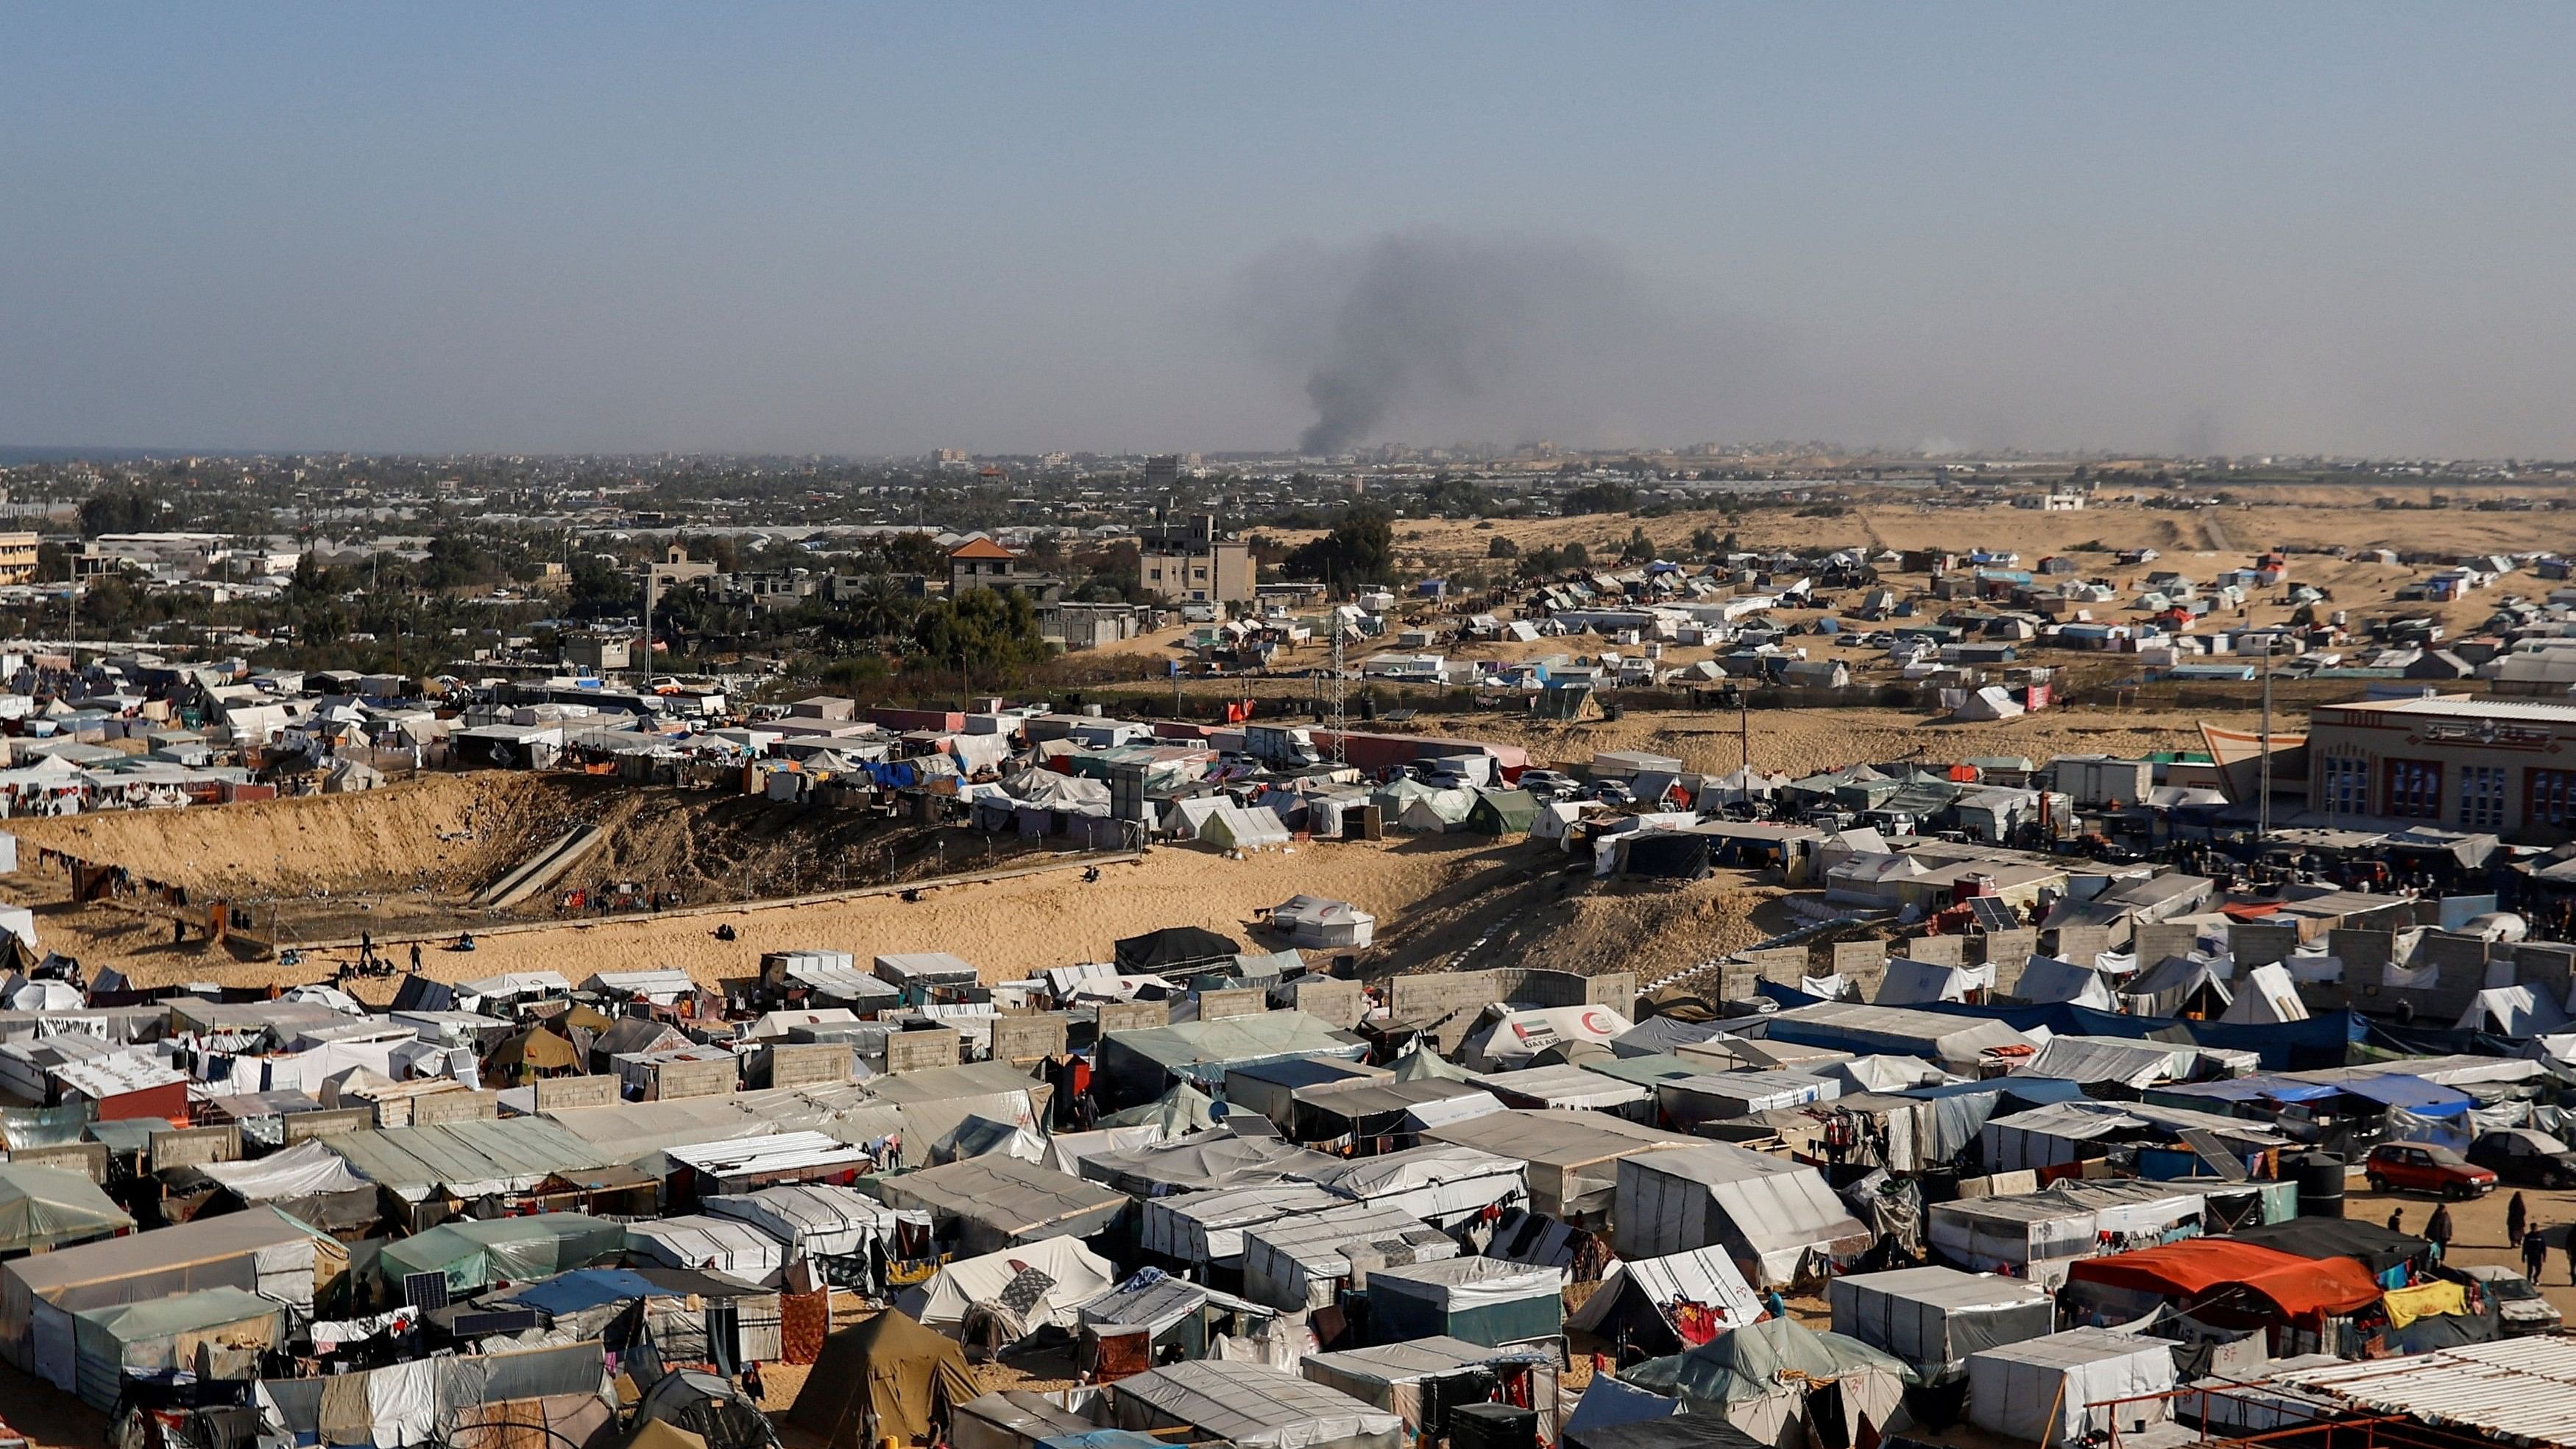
[1086, 626]
[980, 563]
[599, 653]
[674, 567]
[17, 558]
[1190, 562]
[2459, 761]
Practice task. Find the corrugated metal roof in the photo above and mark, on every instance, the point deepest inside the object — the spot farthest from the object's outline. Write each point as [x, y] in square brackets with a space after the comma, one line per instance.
[2523, 1389]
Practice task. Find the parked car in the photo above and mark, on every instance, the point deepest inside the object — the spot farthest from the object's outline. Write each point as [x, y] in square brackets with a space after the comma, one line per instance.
[2518, 1303]
[2414, 1167]
[1548, 784]
[2525, 1158]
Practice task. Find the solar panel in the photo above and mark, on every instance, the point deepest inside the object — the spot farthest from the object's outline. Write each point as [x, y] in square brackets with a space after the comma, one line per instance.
[497, 1320]
[425, 1291]
[1991, 913]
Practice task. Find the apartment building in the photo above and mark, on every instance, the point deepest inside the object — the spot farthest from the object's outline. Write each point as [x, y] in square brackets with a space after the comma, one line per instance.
[1189, 562]
[2456, 761]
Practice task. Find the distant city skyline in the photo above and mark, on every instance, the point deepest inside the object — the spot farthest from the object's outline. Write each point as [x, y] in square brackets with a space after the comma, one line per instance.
[874, 232]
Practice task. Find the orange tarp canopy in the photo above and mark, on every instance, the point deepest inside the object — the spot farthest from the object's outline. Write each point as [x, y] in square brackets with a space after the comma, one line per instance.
[2194, 1268]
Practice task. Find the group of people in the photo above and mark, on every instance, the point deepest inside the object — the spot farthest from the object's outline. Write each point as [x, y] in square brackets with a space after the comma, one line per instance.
[2519, 1229]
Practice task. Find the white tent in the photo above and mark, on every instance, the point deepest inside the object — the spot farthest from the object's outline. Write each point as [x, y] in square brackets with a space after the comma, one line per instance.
[1991, 702]
[2165, 988]
[2114, 1060]
[813, 1219]
[1313, 921]
[1725, 1096]
[1910, 983]
[2267, 995]
[2515, 1011]
[1244, 827]
[1208, 1227]
[1182, 819]
[2048, 1389]
[1253, 1405]
[2033, 1236]
[1705, 1276]
[1436, 1182]
[1555, 821]
[2047, 980]
[1078, 1275]
[308, 1169]
[1885, 1074]
[1768, 1213]
[698, 1240]
[1436, 812]
[1517, 1036]
[1933, 1318]
[1302, 1262]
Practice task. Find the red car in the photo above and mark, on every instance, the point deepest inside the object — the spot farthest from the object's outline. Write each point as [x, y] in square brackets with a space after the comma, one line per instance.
[2410, 1167]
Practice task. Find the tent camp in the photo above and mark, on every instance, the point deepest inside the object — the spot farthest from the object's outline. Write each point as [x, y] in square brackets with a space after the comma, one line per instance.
[1933, 1318]
[1208, 1162]
[1758, 1378]
[1206, 1228]
[282, 1258]
[1138, 1066]
[1252, 1405]
[2060, 1389]
[813, 1219]
[1315, 923]
[1573, 1158]
[2047, 980]
[1664, 1305]
[309, 1180]
[1426, 1380]
[475, 1254]
[1502, 812]
[1480, 1300]
[1440, 1183]
[885, 1378]
[1171, 948]
[1075, 1275]
[2033, 1236]
[1174, 1313]
[1773, 1216]
[43, 1208]
[227, 1328]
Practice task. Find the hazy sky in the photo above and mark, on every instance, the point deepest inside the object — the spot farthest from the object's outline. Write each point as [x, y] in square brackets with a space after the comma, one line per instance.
[2335, 227]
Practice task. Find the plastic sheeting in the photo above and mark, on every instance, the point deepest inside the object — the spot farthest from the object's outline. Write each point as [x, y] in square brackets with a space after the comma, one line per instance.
[1207, 1227]
[1254, 1406]
[1756, 1377]
[1934, 1318]
[307, 1169]
[1768, 1213]
[474, 1254]
[1437, 1183]
[1079, 1275]
[725, 1245]
[2049, 1388]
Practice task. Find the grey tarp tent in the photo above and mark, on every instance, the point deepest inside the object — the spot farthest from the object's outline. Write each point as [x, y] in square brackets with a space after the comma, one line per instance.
[1480, 1300]
[994, 1202]
[1776, 1218]
[1252, 1405]
[1759, 1376]
[1933, 1318]
[42, 1208]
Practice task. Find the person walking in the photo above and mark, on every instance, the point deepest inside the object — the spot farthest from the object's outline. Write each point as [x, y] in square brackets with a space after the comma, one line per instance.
[2516, 1218]
[2437, 1231]
[2535, 1254]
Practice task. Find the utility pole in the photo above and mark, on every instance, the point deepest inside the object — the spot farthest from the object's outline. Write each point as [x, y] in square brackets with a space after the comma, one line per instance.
[1744, 734]
[1341, 692]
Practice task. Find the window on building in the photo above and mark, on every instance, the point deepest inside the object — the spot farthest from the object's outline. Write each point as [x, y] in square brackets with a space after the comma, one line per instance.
[2347, 785]
[2482, 797]
[2415, 789]
[2551, 798]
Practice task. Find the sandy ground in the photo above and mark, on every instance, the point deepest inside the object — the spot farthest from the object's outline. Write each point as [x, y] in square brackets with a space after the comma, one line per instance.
[2478, 1228]
[1008, 928]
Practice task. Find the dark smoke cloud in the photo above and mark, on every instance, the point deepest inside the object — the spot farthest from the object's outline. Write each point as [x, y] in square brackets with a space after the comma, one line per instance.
[1510, 339]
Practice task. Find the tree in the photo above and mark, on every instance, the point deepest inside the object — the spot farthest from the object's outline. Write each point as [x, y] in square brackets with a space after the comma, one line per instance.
[1359, 549]
[1638, 549]
[980, 631]
[1606, 496]
[119, 510]
[1502, 547]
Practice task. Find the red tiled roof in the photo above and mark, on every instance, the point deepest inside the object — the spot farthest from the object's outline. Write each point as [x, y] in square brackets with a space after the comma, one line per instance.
[980, 547]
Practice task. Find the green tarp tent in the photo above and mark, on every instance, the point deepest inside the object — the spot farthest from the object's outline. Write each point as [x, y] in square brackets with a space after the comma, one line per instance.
[1502, 812]
[51, 1207]
[476, 1254]
[222, 1329]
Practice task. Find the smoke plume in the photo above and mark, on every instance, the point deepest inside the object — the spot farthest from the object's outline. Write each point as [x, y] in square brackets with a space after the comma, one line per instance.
[1497, 338]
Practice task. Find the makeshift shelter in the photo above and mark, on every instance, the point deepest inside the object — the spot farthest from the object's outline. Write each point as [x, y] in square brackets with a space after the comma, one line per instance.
[1138, 1066]
[989, 1203]
[1572, 1157]
[2266, 996]
[2224, 1281]
[474, 1254]
[2064, 1388]
[1912, 983]
[1957, 1043]
[1480, 1300]
[1440, 1183]
[1177, 1113]
[2178, 986]
[1426, 1380]
[1252, 1405]
[1933, 1318]
[1073, 1275]
[307, 1180]
[1664, 1305]
[886, 1378]
[1303, 1262]
[1011, 1419]
[1724, 1096]
[43, 1208]
[1515, 1038]
[719, 1245]
[1315, 923]
[1648, 1430]
[2519, 1012]
[1243, 827]
[1207, 1162]
[2034, 1236]
[1436, 812]
[1776, 1218]
[1760, 1376]
[2370, 1244]
[1171, 1313]
[814, 1220]
[1563, 1088]
[1206, 1228]
[1172, 948]
[222, 1329]
[280, 1257]
[2045, 980]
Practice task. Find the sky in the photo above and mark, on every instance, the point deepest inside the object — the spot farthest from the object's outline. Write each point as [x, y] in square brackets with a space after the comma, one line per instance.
[2331, 228]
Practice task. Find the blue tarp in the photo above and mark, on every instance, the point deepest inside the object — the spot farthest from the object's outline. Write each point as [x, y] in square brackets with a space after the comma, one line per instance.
[892, 774]
[585, 1288]
[2397, 1089]
[2237, 1090]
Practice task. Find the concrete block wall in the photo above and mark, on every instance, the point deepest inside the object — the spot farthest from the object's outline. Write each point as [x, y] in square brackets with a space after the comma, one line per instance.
[1336, 1003]
[1862, 963]
[1935, 950]
[1126, 1016]
[916, 1051]
[817, 1064]
[1418, 998]
[1233, 1001]
[2364, 954]
[1031, 1038]
[1781, 964]
[2008, 952]
[193, 1146]
[2163, 939]
[2260, 943]
[673, 1081]
[440, 1107]
[2547, 968]
[306, 1126]
[86, 1158]
[1541, 986]
[561, 1093]
[2080, 944]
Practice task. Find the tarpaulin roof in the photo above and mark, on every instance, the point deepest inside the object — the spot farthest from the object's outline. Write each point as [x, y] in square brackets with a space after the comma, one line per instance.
[1748, 1363]
[2298, 1287]
[43, 1206]
[307, 1169]
[1250, 1404]
[2397, 1089]
[1173, 946]
[473, 1253]
[2373, 1246]
[888, 1366]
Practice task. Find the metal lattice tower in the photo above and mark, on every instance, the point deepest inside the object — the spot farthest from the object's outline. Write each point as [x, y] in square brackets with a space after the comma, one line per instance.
[1341, 691]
